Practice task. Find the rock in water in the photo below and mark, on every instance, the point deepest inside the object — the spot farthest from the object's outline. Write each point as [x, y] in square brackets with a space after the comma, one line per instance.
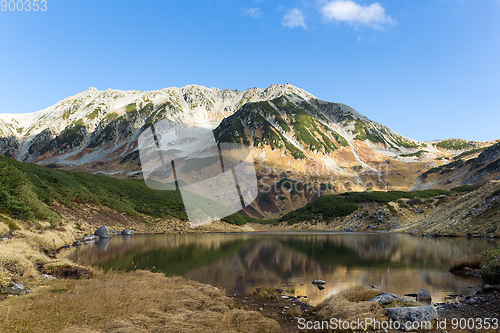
[318, 282]
[90, 238]
[127, 232]
[103, 232]
[411, 316]
[424, 296]
[387, 298]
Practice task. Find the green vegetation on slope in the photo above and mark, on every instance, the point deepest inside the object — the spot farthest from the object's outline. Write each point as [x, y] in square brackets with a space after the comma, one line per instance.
[115, 127]
[28, 190]
[329, 207]
[455, 144]
[235, 132]
[491, 167]
[269, 120]
[445, 168]
[368, 131]
[326, 208]
[364, 132]
[71, 136]
[416, 154]
[469, 152]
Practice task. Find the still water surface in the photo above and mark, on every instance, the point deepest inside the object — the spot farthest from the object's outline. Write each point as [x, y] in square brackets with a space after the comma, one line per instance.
[239, 263]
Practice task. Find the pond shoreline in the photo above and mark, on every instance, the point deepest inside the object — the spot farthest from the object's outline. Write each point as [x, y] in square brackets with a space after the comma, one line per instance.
[277, 231]
[281, 309]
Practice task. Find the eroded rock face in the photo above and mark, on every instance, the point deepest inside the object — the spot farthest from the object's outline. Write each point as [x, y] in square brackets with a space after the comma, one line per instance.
[411, 317]
[103, 232]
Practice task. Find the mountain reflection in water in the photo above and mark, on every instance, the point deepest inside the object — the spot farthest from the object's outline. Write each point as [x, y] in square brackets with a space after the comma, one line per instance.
[240, 263]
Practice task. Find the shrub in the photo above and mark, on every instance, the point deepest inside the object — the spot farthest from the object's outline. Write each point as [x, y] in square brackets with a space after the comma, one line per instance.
[402, 204]
[414, 201]
[490, 269]
[464, 188]
[416, 154]
[235, 219]
[13, 226]
[266, 199]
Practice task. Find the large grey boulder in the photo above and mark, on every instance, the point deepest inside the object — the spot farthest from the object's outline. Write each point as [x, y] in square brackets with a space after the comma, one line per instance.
[424, 296]
[412, 318]
[103, 232]
[387, 298]
[127, 232]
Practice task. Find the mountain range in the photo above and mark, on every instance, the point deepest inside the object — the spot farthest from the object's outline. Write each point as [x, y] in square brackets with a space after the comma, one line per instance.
[302, 146]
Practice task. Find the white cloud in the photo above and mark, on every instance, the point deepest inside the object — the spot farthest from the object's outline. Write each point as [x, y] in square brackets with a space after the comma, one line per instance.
[294, 18]
[349, 11]
[252, 12]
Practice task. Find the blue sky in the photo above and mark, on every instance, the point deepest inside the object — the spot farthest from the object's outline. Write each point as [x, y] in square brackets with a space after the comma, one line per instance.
[428, 69]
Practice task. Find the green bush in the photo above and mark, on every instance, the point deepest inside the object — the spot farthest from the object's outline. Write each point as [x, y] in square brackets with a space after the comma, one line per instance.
[249, 219]
[490, 269]
[12, 226]
[326, 207]
[235, 219]
[464, 188]
[267, 199]
[417, 154]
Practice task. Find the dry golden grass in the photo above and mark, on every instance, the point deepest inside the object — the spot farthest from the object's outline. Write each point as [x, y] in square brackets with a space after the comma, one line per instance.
[18, 258]
[359, 294]
[340, 306]
[50, 239]
[4, 228]
[473, 261]
[266, 293]
[294, 312]
[138, 301]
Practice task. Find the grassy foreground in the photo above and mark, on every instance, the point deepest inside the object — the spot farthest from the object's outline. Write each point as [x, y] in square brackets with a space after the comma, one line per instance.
[138, 301]
[43, 209]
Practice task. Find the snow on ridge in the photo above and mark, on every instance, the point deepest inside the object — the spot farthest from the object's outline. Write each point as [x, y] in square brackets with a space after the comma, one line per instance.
[94, 93]
[93, 105]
